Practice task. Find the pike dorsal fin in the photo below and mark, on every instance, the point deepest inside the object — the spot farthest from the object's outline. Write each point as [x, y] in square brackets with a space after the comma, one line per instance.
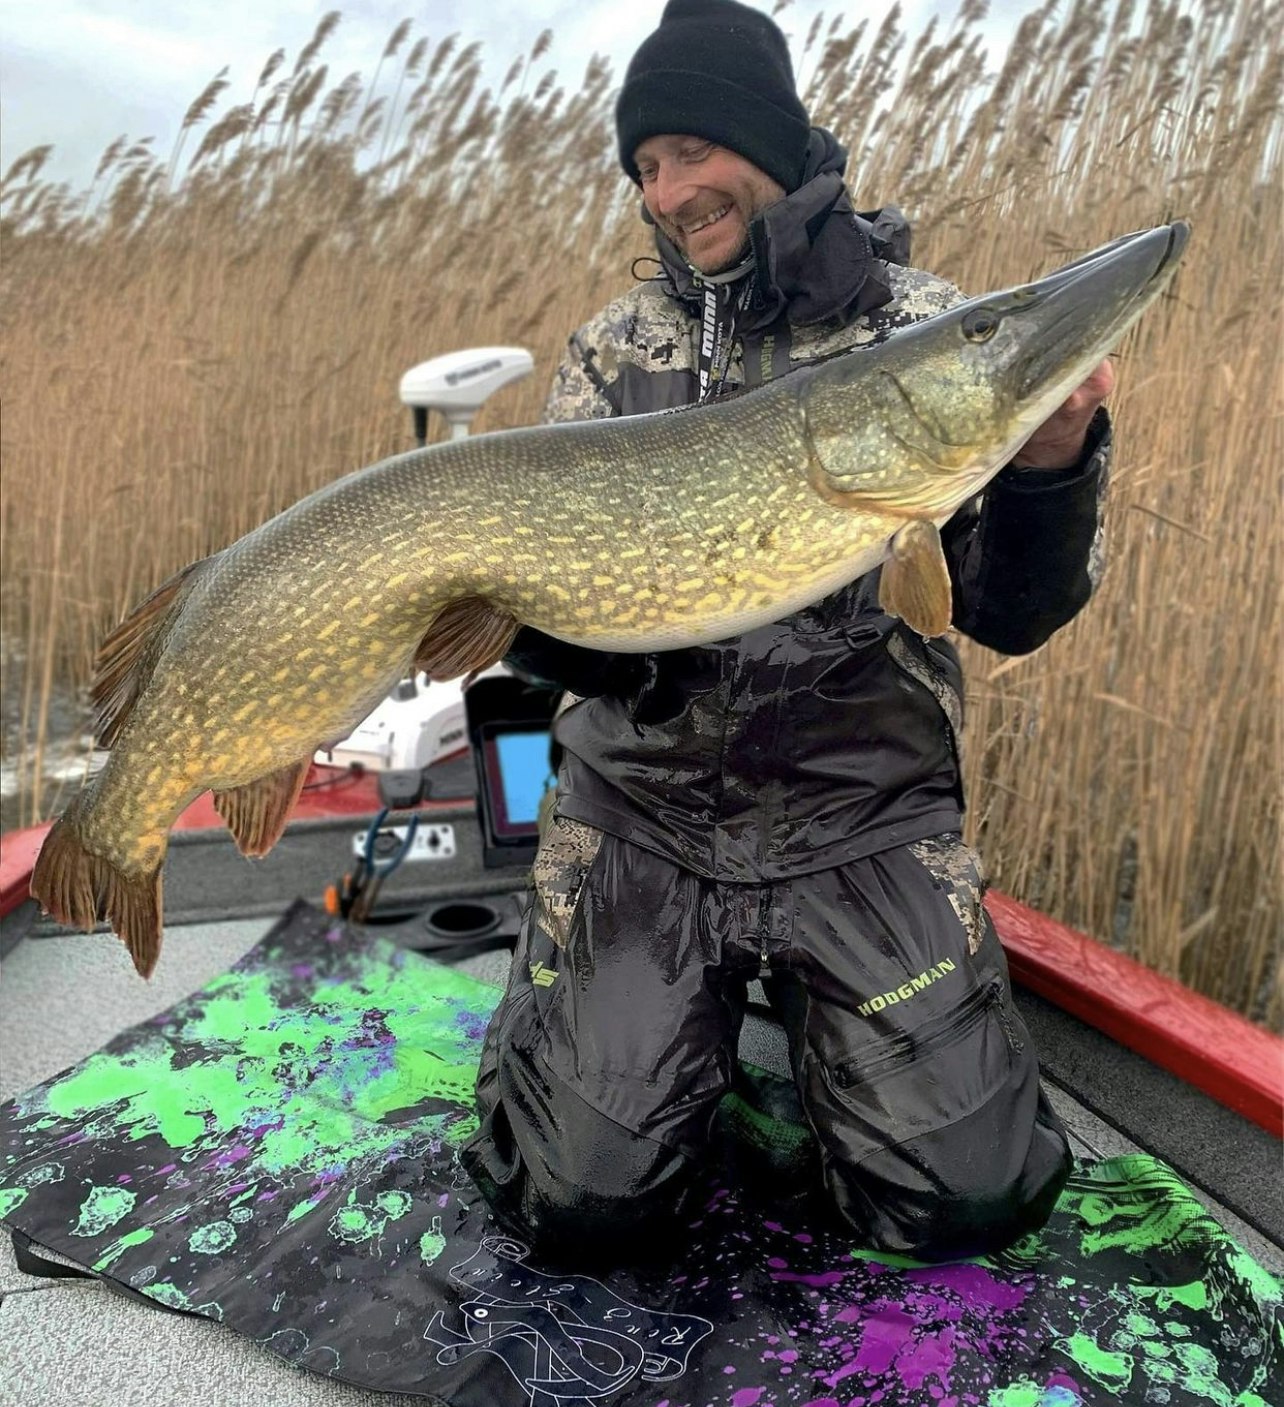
[124, 660]
[915, 583]
[257, 812]
[466, 636]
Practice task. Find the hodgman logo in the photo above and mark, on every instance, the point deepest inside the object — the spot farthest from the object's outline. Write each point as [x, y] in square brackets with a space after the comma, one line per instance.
[542, 976]
[905, 992]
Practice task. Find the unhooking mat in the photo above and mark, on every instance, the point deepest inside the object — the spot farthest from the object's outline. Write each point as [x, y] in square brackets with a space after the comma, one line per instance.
[279, 1152]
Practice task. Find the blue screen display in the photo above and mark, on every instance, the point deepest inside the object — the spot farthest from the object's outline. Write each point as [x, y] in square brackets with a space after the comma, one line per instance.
[523, 773]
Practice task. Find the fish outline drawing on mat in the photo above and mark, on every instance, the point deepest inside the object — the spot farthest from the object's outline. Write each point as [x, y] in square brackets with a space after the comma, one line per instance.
[566, 1340]
[635, 534]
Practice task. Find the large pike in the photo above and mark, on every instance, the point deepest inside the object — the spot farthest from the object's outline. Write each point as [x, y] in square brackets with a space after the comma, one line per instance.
[647, 533]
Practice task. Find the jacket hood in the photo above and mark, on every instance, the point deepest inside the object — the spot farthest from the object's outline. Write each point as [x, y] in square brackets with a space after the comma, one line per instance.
[812, 256]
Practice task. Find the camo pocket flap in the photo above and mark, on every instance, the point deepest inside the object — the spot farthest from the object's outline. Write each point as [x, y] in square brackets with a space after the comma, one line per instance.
[565, 856]
[956, 868]
[927, 670]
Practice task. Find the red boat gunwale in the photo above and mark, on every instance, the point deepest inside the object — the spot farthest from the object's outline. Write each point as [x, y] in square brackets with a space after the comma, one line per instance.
[1201, 1042]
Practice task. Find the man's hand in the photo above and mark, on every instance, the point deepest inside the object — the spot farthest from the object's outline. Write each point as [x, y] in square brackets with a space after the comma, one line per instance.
[1058, 442]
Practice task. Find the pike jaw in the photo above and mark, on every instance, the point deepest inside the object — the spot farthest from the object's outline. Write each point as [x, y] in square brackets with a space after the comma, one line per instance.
[958, 394]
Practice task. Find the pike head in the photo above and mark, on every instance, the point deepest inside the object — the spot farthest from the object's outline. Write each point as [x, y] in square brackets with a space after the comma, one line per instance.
[947, 402]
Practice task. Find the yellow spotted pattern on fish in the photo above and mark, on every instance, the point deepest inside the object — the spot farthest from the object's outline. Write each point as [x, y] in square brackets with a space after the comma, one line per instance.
[650, 533]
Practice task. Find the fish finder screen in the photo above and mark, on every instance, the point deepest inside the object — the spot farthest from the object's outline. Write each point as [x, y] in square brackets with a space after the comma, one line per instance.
[517, 772]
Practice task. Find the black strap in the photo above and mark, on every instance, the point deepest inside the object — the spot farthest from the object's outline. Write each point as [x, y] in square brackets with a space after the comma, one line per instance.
[32, 1264]
[721, 310]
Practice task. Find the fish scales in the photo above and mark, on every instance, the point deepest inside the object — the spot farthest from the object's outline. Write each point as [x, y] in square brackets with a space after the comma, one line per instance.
[681, 536]
[650, 533]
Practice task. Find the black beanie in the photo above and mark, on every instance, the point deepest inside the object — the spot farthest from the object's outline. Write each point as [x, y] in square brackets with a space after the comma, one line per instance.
[719, 70]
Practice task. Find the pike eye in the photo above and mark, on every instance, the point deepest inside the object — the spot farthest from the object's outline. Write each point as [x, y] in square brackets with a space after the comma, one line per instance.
[980, 325]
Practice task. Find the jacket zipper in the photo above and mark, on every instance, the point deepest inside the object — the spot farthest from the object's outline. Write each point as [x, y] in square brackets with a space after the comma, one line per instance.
[1015, 1043]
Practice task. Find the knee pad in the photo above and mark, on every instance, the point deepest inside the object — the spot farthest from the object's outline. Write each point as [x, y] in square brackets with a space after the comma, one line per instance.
[966, 1190]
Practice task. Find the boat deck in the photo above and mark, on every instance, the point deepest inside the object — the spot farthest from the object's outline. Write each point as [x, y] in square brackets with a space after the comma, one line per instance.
[64, 996]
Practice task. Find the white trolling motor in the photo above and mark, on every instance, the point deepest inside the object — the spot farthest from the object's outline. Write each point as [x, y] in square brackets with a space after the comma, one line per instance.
[457, 384]
[421, 721]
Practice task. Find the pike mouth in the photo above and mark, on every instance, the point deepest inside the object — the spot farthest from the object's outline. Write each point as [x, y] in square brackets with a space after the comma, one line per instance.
[1178, 237]
[1077, 334]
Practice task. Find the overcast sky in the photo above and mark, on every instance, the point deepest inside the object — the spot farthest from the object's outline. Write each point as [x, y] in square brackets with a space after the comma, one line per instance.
[79, 73]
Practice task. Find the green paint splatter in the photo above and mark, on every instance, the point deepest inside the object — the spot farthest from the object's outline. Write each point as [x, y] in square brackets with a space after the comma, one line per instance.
[898, 1262]
[431, 1245]
[46, 1173]
[354, 1224]
[430, 1054]
[1029, 1394]
[121, 1244]
[1264, 1286]
[301, 1209]
[394, 1204]
[1138, 1323]
[358, 1221]
[214, 1239]
[1193, 1296]
[102, 1209]
[1111, 1370]
[169, 1294]
[11, 1198]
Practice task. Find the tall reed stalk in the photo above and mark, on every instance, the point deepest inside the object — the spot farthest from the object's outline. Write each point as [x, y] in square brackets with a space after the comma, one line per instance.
[190, 344]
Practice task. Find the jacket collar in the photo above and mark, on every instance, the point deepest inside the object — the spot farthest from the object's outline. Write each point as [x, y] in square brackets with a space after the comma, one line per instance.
[812, 257]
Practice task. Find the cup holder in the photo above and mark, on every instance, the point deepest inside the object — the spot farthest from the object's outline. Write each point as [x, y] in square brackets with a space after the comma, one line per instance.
[461, 920]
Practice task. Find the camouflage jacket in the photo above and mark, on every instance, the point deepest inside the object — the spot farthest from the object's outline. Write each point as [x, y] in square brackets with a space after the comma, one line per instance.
[831, 734]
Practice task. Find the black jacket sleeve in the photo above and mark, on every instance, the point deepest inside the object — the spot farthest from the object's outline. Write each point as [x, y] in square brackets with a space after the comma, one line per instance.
[1022, 557]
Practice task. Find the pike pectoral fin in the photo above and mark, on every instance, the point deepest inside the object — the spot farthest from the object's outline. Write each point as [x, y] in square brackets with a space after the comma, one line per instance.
[123, 664]
[257, 812]
[466, 636]
[915, 583]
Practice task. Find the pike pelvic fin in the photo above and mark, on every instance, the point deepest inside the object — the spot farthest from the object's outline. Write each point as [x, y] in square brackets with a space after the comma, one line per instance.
[78, 888]
[256, 813]
[124, 661]
[466, 636]
[915, 582]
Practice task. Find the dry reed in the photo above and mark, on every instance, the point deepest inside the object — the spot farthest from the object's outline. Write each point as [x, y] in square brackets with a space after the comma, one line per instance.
[192, 344]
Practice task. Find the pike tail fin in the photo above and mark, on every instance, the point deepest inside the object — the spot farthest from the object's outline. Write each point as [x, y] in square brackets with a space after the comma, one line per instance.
[78, 888]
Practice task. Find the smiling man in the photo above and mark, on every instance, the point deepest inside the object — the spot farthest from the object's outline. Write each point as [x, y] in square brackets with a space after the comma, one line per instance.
[704, 197]
[785, 805]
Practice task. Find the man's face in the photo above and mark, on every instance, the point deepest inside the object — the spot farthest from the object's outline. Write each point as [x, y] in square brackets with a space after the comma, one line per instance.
[703, 197]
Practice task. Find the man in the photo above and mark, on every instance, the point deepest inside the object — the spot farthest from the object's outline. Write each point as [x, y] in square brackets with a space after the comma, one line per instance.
[786, 804]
